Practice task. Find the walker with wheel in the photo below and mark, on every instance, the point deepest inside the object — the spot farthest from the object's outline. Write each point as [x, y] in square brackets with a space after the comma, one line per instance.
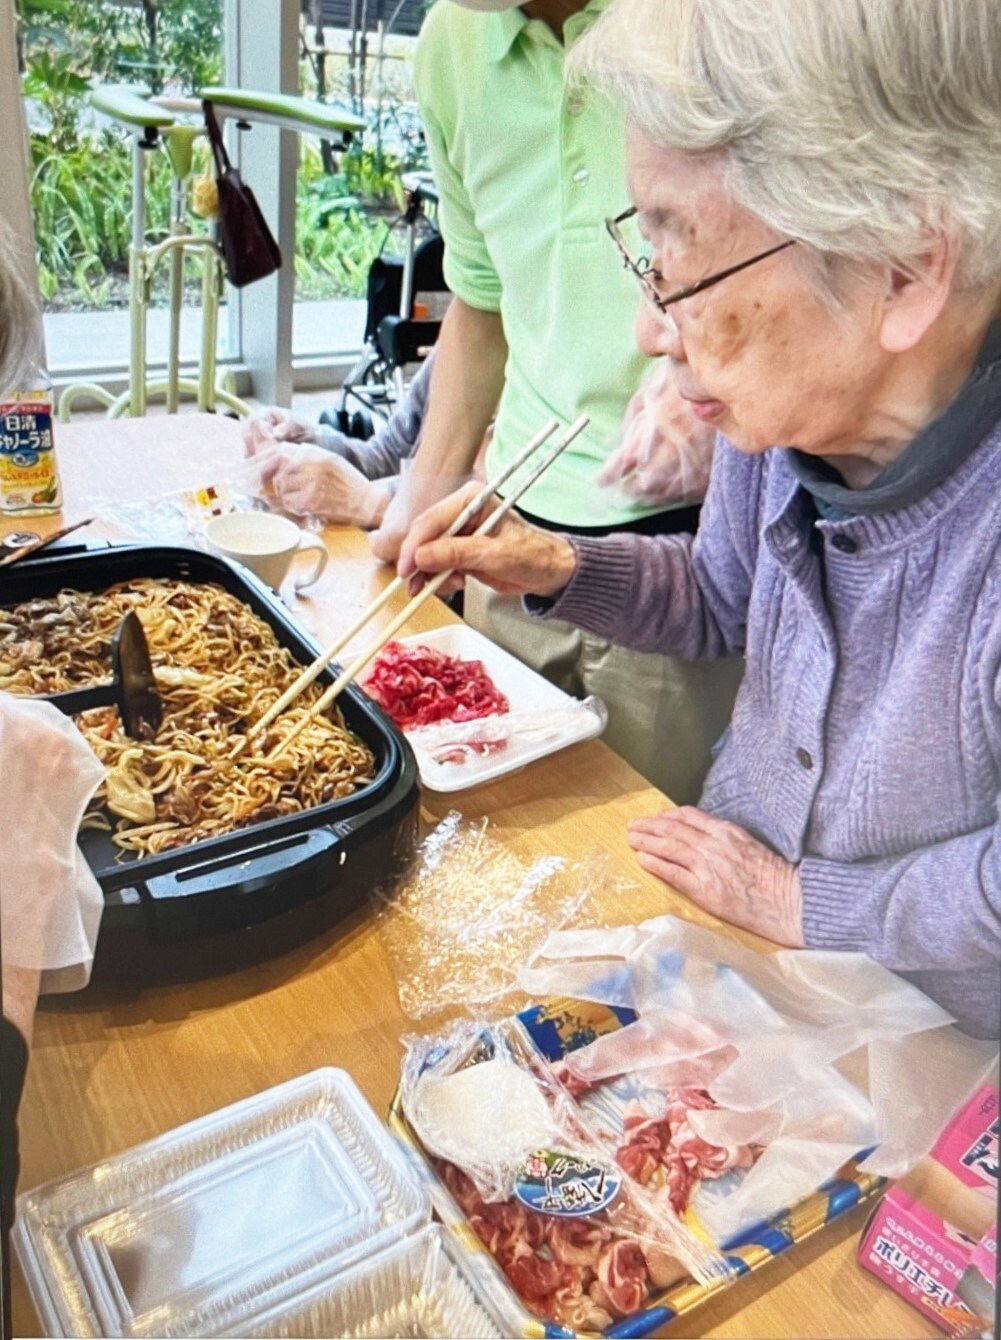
[177, 123]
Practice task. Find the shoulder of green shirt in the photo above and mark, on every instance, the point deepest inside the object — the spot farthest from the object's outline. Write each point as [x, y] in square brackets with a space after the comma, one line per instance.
[451, 38]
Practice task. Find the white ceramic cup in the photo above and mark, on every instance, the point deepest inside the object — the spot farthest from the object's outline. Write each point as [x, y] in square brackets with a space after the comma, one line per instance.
[266, 544]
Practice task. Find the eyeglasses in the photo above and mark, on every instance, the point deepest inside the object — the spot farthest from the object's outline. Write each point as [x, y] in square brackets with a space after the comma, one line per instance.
[649, 277]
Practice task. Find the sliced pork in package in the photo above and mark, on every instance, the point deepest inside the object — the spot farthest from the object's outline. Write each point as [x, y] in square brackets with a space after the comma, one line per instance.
[550, 1188]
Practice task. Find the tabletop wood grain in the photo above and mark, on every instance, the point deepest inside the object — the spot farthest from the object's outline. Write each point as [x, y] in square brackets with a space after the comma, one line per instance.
[117, 1066]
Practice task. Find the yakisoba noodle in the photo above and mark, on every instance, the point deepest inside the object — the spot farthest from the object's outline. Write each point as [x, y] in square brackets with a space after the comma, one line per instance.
[218, 668]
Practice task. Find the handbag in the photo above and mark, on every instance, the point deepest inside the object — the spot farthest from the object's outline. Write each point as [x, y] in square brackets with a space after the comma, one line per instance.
[249, 250]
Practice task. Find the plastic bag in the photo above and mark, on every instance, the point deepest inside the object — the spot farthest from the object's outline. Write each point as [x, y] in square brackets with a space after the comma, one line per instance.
[469, 912]
[50, 902]
[812, 1056]
[664, 453]
[180, 517]
[540, 1185]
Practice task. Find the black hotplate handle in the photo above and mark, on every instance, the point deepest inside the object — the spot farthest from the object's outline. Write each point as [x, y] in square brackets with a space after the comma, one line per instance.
[245, 870]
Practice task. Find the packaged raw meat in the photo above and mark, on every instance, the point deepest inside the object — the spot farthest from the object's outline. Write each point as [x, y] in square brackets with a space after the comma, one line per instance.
[583, 1230]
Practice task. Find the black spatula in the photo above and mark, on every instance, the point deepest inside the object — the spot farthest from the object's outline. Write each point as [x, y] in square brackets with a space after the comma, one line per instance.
[132, 689]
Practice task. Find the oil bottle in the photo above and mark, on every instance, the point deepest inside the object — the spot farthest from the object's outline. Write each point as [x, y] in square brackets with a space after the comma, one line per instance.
[29, 480]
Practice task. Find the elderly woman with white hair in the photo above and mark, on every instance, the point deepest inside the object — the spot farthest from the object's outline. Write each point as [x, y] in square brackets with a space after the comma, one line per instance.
[817, 188]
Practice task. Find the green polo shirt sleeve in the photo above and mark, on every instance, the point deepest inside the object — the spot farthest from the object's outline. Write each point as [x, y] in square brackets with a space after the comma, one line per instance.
[469, 271]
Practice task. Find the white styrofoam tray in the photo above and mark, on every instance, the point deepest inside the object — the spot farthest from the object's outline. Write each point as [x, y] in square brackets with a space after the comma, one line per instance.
[525, 690]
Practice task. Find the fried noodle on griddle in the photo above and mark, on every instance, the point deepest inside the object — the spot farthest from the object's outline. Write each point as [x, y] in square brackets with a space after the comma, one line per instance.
[218, 668]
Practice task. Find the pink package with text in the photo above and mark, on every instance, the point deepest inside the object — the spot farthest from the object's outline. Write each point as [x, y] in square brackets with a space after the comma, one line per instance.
[985, 1255]
[968, 1146]
[922, 1235]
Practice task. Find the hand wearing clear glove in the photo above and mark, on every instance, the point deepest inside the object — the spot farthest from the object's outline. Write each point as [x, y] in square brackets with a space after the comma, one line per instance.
[308, 481]
[724, 870]
[665, 453]
[272, 427]
[517, 559]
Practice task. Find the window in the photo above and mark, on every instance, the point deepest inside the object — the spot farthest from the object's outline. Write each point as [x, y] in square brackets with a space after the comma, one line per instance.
[81, 165]
[360, 56]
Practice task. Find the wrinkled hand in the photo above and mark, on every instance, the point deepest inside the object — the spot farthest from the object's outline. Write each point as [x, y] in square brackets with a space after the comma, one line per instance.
[265, 430]
[517, 559]
[665, 453]
[723, 869]
[310, 482]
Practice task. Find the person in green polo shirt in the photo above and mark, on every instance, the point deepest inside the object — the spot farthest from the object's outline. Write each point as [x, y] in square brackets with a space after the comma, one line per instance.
[541, 327]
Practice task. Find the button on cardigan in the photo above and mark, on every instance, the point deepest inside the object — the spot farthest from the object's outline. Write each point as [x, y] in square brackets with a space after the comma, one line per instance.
[880, 660]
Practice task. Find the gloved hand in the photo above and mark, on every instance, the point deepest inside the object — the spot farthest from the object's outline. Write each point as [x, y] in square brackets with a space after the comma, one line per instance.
[310, 482]
[264, 430]
[665, 453]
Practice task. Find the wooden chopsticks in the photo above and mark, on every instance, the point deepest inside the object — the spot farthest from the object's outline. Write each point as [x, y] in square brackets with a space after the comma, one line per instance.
[33, 546]
[339, 643]
[487, 528]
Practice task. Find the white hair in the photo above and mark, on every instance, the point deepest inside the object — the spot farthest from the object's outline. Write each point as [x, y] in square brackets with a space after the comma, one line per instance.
[19, 316]
[855, 126]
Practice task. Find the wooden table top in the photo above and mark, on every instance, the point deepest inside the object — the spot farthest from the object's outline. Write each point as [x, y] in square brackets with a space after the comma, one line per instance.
[120, 1067]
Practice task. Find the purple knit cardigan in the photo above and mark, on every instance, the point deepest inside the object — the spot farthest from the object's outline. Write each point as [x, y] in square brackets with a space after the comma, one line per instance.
[865, 743]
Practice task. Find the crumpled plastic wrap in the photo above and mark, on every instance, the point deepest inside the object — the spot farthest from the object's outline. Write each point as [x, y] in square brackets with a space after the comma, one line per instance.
[180, 517]
[468, 913]
[474, 746]
[487, 1103]
[816, 1056]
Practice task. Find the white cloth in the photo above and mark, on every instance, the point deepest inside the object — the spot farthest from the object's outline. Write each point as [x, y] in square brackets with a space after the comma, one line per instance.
[50, 903]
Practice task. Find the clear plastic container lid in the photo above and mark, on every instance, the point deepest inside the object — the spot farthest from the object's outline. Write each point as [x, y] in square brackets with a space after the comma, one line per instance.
[200, 1230]
[419, 1287]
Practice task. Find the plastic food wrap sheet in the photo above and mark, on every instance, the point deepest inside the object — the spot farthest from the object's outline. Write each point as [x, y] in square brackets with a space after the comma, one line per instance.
[180, 517]
[581, 1240]
[469, 913]
[807, 1058]
[474, 745]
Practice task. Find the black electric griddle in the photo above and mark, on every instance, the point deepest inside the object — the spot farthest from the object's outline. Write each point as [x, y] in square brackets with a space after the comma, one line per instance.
[225, 902]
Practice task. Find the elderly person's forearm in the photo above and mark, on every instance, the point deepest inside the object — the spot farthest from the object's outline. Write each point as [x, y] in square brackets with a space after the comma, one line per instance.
[382, 456]
[930, 911]
[670, 594]
[938, 907]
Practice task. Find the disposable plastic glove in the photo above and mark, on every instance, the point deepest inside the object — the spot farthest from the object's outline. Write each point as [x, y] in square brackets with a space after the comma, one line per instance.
[262, 431]
[50, 903]
[310, 482]
[665, 453]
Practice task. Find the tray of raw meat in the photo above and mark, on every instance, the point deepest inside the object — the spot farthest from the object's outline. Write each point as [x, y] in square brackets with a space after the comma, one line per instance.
[583, 1244]
[471, 711]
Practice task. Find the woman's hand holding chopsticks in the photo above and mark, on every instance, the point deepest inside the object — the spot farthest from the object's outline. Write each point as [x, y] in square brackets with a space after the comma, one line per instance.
[516, 559]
